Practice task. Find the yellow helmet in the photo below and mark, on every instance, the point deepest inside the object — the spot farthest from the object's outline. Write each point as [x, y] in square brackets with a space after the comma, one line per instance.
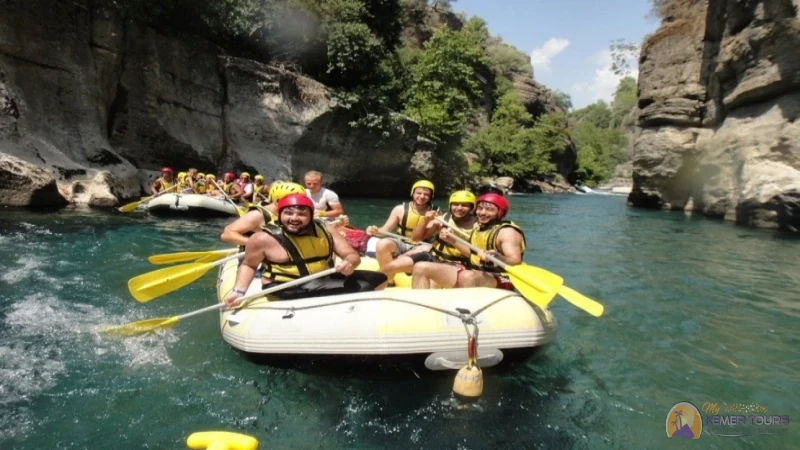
[211, 176]
[259, 177]
[462, 197]
[423, 184]
[244, 175]
[181, 175]
[280, 189]
[201, 175]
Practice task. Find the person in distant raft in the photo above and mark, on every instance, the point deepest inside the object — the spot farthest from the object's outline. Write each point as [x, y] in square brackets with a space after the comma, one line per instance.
[260, 190]
[402, 220]
[164, 182]
[230, 187]
[462, 206]
[237, 232]
[326, 202]
[297, 246]
[210, 188]
[495, 236]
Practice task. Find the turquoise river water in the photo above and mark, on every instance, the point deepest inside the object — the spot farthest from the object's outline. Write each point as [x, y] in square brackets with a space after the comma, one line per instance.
[696, 310]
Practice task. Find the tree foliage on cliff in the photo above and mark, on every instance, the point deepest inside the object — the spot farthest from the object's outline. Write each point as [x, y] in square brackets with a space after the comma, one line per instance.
[444, 89]
[516, 145]
[599, 133]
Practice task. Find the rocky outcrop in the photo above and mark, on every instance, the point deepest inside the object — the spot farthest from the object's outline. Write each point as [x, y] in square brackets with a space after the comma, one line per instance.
[719, 98]
[555, 184]
[25, 184]
[100, 105]
[537, 99]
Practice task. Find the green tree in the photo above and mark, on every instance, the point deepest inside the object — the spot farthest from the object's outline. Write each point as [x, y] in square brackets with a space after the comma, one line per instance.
[625, 100]
[599, 151]
[444, 89]
[506, 60]
[598, 114]
[514, 144]
[563, 100]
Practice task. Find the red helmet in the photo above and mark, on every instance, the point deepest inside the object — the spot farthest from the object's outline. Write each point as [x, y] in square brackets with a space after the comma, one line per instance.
[295, 200]
[233, 175]
[496, 200]
[166, 169]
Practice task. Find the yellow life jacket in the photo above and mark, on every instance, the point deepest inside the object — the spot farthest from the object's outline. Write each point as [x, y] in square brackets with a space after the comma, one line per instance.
[486, 239]
[226, 187]
[409, 221]
[166, 184]
[307, 254]
[200, 186]
[210, 188]
[446, 252]
[269, 216]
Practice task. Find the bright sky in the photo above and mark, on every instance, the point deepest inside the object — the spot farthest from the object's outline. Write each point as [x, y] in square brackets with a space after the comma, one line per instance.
[567, 40]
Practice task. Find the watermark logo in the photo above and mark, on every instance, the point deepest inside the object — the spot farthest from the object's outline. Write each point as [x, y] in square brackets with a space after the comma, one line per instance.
[740, 420]
[684, 421]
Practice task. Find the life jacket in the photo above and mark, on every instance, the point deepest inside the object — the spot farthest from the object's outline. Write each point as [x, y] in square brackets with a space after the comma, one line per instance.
[486, 239]
[210, 188]
[262, 189]
[308, 254]
[269, 216]
[410, 220]
[226, 187]
[184, 187]
[357, 239]
[166, 184]
[200, 186]
[446, 252]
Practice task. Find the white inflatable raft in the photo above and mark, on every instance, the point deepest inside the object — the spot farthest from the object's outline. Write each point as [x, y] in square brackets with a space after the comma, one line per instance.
[194, 205]
[395, 322]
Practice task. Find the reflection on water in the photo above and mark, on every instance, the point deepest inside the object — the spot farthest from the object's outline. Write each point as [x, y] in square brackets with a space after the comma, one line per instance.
[696, 310]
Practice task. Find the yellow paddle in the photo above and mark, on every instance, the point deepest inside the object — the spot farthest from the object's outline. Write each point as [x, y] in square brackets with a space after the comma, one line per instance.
[133, 205]
[144, 326]
[207, 256]
[531, 276]
[240, 212]
[154, 284]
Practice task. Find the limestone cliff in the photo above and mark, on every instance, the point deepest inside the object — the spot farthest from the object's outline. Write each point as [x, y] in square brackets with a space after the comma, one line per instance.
[719, 98]
[100, 105]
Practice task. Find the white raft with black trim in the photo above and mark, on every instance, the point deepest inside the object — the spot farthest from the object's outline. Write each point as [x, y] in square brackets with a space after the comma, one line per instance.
[194, 205]
[398, 322]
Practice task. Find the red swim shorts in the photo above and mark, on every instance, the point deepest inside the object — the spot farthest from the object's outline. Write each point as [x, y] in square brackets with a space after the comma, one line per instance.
[503, 283]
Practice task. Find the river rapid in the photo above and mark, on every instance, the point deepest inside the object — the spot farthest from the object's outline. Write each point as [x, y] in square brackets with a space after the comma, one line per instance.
[696, 310]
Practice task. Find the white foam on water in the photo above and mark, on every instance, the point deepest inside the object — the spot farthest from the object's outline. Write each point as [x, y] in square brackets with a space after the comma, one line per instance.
[27, 267]
[46, 336]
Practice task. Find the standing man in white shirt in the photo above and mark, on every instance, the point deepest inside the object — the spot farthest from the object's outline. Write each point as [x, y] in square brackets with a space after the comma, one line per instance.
[326, 202]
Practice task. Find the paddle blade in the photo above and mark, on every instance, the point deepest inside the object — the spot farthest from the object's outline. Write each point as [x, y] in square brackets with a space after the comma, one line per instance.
[537, 285]
[133, 205]
[154, 284]
[140, 327]
[171, 258]
[581, 301]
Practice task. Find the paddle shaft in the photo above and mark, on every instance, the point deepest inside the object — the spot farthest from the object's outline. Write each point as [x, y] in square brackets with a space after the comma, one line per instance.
[397, 236]
[470, 246]
[169, 258]
[147, 199]
[236, 208]
[244, 300]
[225, 259]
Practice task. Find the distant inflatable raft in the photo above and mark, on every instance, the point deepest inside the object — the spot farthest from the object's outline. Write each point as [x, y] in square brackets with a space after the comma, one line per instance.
[190, 205]
[397, 322]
